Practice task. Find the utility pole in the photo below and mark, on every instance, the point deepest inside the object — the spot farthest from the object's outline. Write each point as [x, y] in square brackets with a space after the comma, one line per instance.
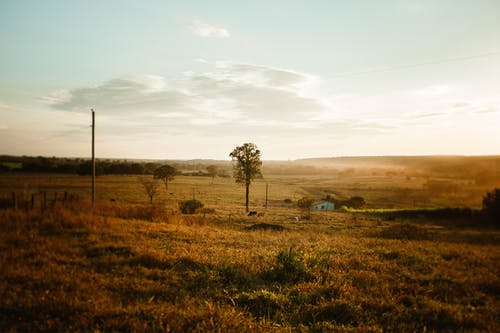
[93, 156]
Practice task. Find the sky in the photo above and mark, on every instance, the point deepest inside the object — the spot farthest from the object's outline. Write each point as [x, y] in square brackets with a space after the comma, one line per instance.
[194, 79]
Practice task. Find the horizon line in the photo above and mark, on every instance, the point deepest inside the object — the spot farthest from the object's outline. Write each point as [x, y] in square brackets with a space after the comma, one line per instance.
[264, 160]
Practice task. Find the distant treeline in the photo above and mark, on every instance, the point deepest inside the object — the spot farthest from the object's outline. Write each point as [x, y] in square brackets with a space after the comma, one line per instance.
[74, 166]
[441, 174]
[81, 166]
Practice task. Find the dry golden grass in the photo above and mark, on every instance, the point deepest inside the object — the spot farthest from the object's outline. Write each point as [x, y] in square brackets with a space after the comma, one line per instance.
[126, 266]
[73, 268]
[379, 191]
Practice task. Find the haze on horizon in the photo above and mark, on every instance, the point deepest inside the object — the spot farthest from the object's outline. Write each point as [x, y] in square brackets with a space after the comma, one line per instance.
[193, 79]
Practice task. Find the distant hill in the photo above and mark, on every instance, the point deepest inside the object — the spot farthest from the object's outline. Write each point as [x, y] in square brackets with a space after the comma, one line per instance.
[399, 161]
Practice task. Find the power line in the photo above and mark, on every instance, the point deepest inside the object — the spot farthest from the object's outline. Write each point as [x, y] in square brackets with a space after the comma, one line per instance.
[421, 64]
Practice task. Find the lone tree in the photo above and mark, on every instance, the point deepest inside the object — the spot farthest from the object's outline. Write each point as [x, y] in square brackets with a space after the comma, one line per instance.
[246, 166]
[165, 173]
[212, 171]
[150, 187]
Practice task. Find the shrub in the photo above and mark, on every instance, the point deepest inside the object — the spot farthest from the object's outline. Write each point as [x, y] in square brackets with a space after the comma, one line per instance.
[190, 206]
[305, 203]
[491, 205]
[355, 202]
[289, 267]
[264, 303]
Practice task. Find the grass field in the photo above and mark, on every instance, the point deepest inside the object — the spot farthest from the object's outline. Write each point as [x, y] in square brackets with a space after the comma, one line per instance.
[125, 266]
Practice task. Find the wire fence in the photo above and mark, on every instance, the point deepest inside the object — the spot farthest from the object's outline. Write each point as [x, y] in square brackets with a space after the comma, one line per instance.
[41, 200]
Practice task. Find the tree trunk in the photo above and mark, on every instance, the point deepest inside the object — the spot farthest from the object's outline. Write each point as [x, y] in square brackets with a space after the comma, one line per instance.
[246, 195]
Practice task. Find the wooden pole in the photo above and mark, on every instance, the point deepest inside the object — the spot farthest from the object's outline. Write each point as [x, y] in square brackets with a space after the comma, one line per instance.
[93, 156]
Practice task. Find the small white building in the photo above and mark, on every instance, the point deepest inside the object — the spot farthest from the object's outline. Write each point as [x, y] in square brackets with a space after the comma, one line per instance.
[324, 206]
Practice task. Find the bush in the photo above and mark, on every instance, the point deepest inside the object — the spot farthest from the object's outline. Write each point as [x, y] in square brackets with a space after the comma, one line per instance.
[305, 203]
[491, 205]
[353, 202]
[264, 303]
[289, 267]
[357, 202]
[190, 206]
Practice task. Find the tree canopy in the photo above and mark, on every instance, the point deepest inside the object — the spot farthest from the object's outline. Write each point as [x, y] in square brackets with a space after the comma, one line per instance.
[246, 166]
[212, 170]
[165, 173]
[305, 203]
[150, 187]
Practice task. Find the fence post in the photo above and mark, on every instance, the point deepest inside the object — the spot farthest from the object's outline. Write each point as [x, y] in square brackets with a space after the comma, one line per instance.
[32, 200]
[65, 196]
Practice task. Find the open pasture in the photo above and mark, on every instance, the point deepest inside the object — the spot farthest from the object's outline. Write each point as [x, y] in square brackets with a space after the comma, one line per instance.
[124, 265]
[77, 269]
[381, 188]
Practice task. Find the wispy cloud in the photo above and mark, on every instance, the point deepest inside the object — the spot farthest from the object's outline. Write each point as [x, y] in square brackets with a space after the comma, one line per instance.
[490, 109]
[460, 105]
[435, 90]
[204, 29]
[475, 106]
[429, 115]
[231, 91]
[230, 98]
[57, 97]
[446, 109]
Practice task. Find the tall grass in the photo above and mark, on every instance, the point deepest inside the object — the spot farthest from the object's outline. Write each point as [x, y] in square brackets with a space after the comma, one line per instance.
[112, 268]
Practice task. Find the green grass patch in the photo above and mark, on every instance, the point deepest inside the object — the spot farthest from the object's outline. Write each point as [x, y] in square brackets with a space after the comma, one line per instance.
[12, 165]
[420, 213]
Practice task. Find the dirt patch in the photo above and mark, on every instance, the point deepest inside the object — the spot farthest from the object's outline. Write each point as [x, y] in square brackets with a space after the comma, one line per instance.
[265, 226]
